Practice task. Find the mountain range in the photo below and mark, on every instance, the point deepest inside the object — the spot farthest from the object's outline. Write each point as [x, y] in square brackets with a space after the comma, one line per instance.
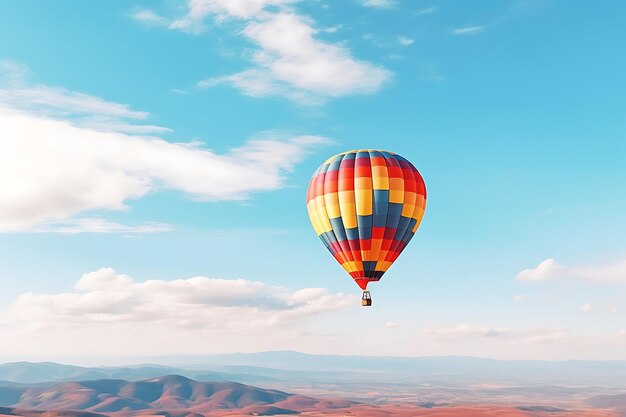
[270, 367]
[302, 383]
[34, 372]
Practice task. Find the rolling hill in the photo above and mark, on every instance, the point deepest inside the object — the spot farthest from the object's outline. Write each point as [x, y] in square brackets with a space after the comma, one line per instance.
[173, 394]
[178, 396]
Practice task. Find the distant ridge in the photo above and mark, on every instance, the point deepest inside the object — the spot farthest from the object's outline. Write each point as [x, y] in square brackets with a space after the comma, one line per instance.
[171, 393]
[36, 372]
[271, 368]
[9, 411]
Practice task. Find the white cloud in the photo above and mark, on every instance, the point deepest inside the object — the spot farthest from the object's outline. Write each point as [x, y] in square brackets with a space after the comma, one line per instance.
[109, 305]
[227, 9]
[149, 17]
[293, 64]
[222, 10]
[585, 308]
[519, 297]
[545, 271]
[110, 314]
[332, 29]
[381, 4]
[58, 159]
[428, 10]
[469, 30]
[259, 83]
[13, 71]
[468, 331]
[51, 170]
[58, 102]
[392, 324]
[187, 25]
[404, 41]
[290, 61]
[97, 225]
[549, 269]
[198, 302]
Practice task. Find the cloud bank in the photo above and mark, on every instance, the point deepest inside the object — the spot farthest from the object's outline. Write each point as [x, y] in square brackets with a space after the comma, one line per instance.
[105, 296]
[110, 313]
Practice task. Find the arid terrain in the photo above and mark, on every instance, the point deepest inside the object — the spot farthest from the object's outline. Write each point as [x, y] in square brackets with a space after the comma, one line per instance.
[289, 383]
[357, 410]
[178, 396]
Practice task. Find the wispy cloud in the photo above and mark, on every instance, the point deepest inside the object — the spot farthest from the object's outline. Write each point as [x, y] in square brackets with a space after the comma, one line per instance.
[548, 270]
[381, 4]
[64, 153]
[149, 17]
[228, 9]
[428, 10]
[62, 102]
[468, 331]
[468, 30]
[98, 225]
[293, 64]
[16, 92]
[404, 41]
[12, 72]
[290, 60]
[429, 72]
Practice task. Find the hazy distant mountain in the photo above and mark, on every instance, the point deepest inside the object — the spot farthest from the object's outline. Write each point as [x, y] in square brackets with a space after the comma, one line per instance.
[279, 369]
[44, 371]
[10, 411]
[34, 372]
[616, 401]
[168, 393]
[433, 369]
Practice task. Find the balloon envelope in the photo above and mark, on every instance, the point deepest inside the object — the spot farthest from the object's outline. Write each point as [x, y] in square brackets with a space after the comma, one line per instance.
[365, 206]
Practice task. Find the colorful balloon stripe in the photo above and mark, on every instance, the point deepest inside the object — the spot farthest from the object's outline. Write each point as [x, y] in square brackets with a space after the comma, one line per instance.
[365, 206]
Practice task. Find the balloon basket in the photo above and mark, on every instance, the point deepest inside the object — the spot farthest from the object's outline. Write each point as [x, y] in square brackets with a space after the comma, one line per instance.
[366, 300]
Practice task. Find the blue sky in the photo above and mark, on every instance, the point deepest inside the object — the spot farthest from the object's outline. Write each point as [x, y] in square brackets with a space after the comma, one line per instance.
[512, 110]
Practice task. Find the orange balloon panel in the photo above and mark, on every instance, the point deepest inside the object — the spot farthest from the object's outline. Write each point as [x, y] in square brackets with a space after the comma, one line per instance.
[365, 206]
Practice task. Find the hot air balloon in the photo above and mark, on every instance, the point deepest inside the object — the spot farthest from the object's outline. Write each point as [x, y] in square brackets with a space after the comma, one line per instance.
[366, 205]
